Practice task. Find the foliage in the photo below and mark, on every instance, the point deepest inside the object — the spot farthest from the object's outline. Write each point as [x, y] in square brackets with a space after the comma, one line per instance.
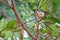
[50, 23]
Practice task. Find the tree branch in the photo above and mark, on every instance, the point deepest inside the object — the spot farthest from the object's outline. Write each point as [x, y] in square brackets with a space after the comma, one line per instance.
[18, 18]
[37, 26]
[37, 30]
[5, 3]
[3, 13]
[20, 21]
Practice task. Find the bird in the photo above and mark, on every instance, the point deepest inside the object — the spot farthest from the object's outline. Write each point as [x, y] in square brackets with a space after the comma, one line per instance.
[39, 13]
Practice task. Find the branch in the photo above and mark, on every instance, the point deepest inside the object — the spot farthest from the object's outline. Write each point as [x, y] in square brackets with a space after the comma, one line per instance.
[5, 3]
[38, 19]
[20, 21]
[18, 18]
[21, 31]
[3, 13]
[13, 3]
[9, 2]
[37, 30]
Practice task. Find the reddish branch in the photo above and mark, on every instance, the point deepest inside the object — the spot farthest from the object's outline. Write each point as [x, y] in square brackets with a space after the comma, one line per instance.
[20, 21]
[37, 30]
[18, 18]
[21, 31]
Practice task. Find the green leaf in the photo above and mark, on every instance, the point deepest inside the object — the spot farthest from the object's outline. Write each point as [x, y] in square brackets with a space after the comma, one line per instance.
[44, 30]
[1, 24]
[31, 0]
[10, 24]
[53, 19]
[53, 27]
[7, 33]
[55, 33]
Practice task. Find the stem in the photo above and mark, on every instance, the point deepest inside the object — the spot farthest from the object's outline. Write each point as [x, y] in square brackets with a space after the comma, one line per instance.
[37, 30]
[18, 18]
[3, 13]
[20, 21]
[37, 26]
[22, 24]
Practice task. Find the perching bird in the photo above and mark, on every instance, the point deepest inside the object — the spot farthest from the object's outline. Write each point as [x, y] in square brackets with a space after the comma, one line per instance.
[39, 13]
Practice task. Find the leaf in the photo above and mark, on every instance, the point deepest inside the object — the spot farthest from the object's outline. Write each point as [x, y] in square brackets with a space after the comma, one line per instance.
[56, 5]
[50, 18]
[7, 33]
[53, 27]
[55, 33]
[32, 5]
[44, 30]
[10, 24]
[31, 0]
[1, 24]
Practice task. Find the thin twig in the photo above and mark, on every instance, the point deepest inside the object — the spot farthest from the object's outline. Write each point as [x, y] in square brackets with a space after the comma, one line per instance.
[37, 27]
[21, 31]
[9, 2]
[4, 14]
[6, 4]
[37, 30]
[20, 21]
[37, 21]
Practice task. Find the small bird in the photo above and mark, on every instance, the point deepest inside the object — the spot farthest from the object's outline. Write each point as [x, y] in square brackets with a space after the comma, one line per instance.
[39, 13]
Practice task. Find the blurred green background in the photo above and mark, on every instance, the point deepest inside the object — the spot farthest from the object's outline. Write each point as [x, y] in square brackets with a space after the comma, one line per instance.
[50, 25]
